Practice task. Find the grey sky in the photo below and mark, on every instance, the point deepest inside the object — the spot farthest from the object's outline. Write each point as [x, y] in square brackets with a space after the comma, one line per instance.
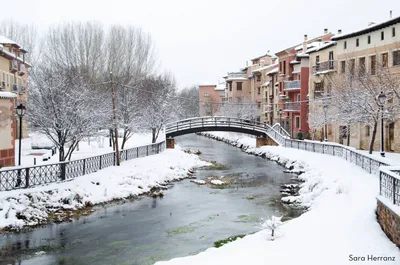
[200, 41]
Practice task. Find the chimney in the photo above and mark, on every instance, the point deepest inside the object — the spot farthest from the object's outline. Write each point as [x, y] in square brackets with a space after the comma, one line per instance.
[339, 31]
[305, 43]
[390, 14]
[325, 31]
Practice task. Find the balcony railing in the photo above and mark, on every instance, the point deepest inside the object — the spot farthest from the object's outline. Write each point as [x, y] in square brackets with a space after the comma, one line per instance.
[292, 106]
[21, 69]
[324, 66]
[13, 66]
[291, 85]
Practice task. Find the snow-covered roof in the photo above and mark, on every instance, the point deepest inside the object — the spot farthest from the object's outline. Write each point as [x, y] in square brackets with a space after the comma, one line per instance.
[273, 71]
[296, 72]
[13, 56]
[326, 71]
[261, 57]
[368, 29]
[309, 45]
[321, 47]
[236, 78]
[261, 68]
[302, 55]
[266, 83]
[220, 87]
[5, 94]
[5, 40]
[294, 62]
[1, 47]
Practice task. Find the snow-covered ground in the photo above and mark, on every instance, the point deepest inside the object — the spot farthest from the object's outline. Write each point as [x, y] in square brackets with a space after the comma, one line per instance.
[339, 228]
[133, 177]
[89, 147]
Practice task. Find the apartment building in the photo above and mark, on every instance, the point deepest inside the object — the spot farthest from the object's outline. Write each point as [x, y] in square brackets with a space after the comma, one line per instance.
[376, 45]
[238, 86]
[211, 98]
[271, 99]
[13, 88]
[293, 82]
[14, 73]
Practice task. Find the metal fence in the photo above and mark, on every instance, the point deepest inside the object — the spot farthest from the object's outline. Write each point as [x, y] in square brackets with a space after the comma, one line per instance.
[389, 180]
[25, 177]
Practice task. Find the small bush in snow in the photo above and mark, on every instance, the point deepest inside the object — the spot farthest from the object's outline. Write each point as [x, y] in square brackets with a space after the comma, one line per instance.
[271, 224]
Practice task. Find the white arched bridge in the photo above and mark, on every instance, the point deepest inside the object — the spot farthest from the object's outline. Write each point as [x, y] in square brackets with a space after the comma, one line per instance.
[266, 135]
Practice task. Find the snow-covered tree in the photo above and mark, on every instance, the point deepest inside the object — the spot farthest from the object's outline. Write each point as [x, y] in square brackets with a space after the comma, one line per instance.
[189, 101]
[272, 224]
[355, 97]
[63, 107]
[159, 103]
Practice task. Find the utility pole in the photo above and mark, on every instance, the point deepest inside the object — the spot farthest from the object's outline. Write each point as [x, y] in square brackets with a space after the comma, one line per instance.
[115, 120]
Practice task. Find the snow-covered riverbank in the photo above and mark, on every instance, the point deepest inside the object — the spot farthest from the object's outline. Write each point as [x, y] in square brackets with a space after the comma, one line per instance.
[33, 206]
[339, 228]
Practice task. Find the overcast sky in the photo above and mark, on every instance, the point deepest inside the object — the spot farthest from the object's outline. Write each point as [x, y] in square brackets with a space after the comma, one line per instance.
[200, 41]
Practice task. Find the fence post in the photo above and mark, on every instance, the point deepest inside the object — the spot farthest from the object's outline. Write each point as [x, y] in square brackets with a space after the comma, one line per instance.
[313, 147]
[323, 148]
[62, 165]
[333, 150]
[100, 161]
[137, 152]
[27, 177]
[147, 150]
[380, 182]
[394, 190]
[114, 156]
[84, 166]
[370, 167]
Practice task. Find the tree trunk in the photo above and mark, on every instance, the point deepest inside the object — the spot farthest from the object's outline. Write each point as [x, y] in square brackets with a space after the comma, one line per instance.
[373, 136]
[124, 139]
[153, 132]
[348, 135]
[61, 153]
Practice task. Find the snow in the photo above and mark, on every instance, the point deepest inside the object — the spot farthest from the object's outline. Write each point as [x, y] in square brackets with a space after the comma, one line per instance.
[132, 178]
[199, 181]
[273, 71]
[5, 40]
[220, 87]
[217, 182]
[320, 47]
[266, 83]
[5, 94]
[236, 78]
[340, 222]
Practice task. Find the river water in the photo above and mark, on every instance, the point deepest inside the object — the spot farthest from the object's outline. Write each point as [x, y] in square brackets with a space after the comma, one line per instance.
[187, 220]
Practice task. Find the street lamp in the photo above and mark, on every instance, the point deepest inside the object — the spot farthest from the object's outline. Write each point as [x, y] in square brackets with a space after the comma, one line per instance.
[381, 101]
[325, 107]
[20, 110]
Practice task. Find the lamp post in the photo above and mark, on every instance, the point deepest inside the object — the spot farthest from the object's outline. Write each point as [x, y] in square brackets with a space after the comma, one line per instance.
[381, 101]
[20, 110]
[325, 107]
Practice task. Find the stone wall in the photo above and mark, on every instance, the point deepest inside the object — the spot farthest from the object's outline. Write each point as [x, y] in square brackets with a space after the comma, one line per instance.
[261, 141]
[390, 222]
[170, 143]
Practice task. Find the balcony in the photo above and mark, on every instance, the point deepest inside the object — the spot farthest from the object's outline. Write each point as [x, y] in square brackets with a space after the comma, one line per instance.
[21, 71]
[15, 88]
[324, 67]
[291, 85]
[3, 85]
[291, 106]
[13, 66]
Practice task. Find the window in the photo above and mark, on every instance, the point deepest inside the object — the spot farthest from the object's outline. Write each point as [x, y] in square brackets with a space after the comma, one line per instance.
[345, 45]
[343, 67]
[357, 42]
[298, 97]
[382, 35]
[284, 68]
[331, 60]
[280, 66]
[230, 86]
[206, 94]
[222, 94]
[384, 60]
[258, 78]
[372, 64]
[361, 63]
[367, 130]
[369, 39]
[393, 32]
[317, 62]
[297, 121]
[258, 90]
[239, 86]
[396, 58]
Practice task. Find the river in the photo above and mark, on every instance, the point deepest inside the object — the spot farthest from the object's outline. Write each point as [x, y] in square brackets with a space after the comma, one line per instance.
[187, 220]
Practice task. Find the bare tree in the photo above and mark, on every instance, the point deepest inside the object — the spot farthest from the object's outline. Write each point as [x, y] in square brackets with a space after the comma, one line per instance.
[60, 109]
[189, 101]
[355, 93]
[243, 108]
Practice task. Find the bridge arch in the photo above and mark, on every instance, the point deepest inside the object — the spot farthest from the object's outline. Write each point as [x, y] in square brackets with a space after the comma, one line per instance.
[263, 132]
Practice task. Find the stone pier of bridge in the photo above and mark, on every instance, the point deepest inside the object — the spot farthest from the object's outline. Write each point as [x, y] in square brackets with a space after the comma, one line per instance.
[170, 143]
[264, 140]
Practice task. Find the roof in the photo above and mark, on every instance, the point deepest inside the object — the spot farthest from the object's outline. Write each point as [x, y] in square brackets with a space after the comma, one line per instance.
[221, 87]
[5, 94]
[236, 78]
[321, 47]
[294, 62]
[369, 29]
[308, 42]
[273, 71]
[302, 55]
[5, 40]
[261, 57]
